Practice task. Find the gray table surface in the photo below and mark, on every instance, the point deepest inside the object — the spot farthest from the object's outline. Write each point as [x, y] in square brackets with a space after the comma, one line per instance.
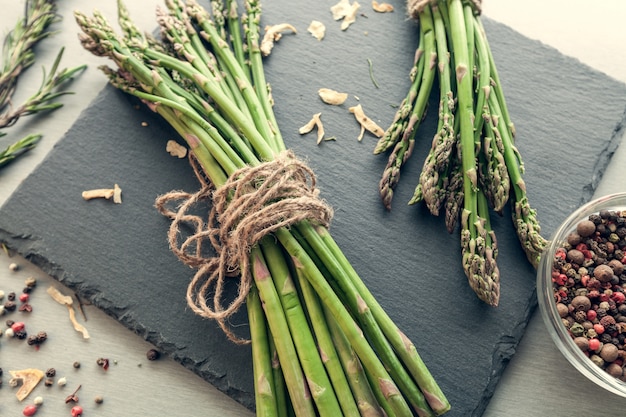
[538, 380]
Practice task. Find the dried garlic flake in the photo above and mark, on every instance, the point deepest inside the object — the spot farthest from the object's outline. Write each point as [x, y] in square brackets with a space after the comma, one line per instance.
[273, 33]
[333, 97]
[108, 193]
[176, 149]
[67, 301]
[316, 121]
[346, 11]
[382, 7]
[365, 122]
[317, 29]
[30, 378]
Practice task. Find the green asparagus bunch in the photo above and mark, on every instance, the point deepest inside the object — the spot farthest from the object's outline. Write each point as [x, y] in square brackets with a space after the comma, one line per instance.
[473, 166]
[321, 343]
[17, 56]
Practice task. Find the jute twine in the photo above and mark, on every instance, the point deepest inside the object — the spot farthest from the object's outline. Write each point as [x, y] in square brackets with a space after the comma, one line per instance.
[415, 7]
[254, 202]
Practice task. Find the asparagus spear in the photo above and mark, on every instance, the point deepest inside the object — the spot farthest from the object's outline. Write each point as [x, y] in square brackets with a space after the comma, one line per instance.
[190, 98]
[473, 167]
[411, 111]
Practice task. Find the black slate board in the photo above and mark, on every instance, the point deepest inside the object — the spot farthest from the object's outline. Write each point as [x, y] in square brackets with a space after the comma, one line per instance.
[568, 118]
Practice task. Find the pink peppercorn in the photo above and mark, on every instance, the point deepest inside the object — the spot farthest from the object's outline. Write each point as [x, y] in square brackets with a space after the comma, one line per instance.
[24, 297]
[594, 344]
[593, 294]
[584, 280]
[560, 279]
[29, 410]
[77, 411]
[591, 315]
[618, 297]
[18, 326]
[598, 328]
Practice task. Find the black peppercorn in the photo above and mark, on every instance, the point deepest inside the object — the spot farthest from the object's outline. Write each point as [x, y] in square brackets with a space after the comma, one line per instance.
[10, 323]
[10, 306]
[595, 218]
[21, 334]
[580, 316]
[11, 296]
[51, 372]
[153, 354]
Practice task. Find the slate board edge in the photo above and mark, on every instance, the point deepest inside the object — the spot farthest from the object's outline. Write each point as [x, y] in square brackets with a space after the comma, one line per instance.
[602, 163]
[26, 246]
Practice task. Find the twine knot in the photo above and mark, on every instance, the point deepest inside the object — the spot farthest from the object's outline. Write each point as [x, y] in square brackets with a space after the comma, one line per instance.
[415, 7]
[254, 202]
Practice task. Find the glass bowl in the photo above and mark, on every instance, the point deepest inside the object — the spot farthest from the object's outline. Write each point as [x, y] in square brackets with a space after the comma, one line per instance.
[547, 297]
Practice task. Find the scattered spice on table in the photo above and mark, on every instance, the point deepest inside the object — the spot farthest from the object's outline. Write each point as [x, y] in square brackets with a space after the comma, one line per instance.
[73, 397]
[153, 354]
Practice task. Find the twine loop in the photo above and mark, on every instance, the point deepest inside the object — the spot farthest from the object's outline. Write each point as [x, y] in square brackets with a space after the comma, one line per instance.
[254, 202]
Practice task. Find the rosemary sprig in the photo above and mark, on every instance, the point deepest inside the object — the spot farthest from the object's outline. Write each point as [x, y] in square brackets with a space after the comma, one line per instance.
[17, 56]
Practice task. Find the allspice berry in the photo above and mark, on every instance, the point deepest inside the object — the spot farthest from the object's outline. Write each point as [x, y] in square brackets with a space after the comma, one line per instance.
[575, 256]
[582, 342]
[586, 228]
[574, 239]
[603, 273]
[617, 266]
[581, 303]
[609, 352]
[562, 309]
[615, 370]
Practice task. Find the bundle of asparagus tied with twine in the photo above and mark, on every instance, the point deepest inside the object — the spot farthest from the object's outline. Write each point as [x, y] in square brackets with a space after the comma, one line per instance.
[473, 165]
[17, 55]
[321, 344]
